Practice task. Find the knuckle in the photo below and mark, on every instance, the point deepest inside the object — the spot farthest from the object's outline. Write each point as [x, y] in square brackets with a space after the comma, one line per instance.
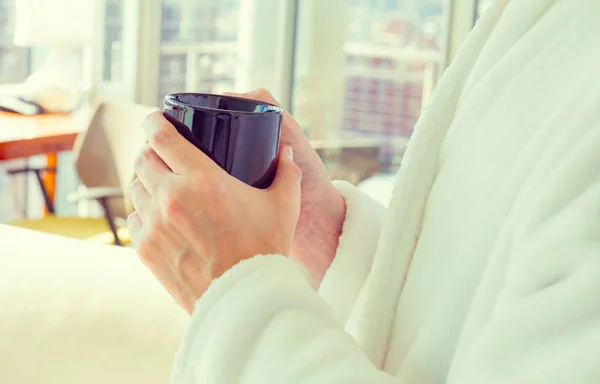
[142, 156]
[159, 135]
[267, 96]
[136, 187]
[132, 221]
[139, 161]
[146, 151]
[174, 204]
[155, 126]
[295, 169]
[137, 195]
[156, 228]
[145, 249]
[263, 92]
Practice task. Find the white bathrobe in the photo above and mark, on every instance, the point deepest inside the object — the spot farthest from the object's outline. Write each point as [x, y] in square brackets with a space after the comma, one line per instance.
[486, 266]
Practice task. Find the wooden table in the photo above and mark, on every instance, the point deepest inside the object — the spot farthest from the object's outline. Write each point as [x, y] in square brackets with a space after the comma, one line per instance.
[25, 136]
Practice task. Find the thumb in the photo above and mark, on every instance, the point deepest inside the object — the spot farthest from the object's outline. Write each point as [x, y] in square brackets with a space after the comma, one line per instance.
[288, 176]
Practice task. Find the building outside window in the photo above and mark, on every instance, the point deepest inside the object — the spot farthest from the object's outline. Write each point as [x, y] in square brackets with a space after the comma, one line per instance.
[394, 55]
[198, 46]
[394, 52]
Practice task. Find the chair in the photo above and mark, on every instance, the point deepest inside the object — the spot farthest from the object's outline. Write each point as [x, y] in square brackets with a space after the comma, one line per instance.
[104, 156]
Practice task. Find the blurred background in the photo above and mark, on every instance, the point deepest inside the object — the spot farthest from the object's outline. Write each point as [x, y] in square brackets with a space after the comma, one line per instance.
[354, 73]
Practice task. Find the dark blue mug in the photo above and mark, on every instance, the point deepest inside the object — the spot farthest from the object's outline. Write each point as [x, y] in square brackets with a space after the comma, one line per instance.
[240, 135]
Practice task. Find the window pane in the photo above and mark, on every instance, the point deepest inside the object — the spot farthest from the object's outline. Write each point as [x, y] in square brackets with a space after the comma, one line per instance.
[198, 48]
[13, 60]
[394, 51]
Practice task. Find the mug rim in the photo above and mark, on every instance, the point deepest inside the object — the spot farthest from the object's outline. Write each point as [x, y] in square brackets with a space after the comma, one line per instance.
[172, 102]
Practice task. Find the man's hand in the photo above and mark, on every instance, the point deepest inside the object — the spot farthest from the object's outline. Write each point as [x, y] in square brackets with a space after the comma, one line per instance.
[193, 221]
[322, 210]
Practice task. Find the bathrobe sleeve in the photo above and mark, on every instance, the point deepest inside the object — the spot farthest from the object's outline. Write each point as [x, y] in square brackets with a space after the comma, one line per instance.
[261, 322]
[358, 243]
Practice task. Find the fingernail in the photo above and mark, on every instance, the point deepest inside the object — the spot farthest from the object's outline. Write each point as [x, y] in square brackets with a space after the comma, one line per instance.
[289, 152]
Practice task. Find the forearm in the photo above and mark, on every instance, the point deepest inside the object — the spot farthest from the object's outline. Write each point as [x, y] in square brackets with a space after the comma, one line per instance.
[336, 243]
[289, 335]
[318, 232]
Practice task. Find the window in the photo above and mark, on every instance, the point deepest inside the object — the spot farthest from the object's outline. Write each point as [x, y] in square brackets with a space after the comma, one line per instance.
[377, 71]
[198, 46]
[13, 60]
[361, 69]
[113, 37]
[347, 69]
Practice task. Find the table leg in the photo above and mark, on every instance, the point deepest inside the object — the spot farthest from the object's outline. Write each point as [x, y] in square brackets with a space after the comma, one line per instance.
[50, 177]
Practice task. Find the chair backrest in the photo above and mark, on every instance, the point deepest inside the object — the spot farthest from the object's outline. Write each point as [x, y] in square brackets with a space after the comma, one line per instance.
[105, 152]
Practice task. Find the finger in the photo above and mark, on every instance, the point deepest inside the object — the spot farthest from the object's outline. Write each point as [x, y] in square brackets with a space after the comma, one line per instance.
[178, 153]
[134, 226]
[151, 170]
[141, 200]
[288, 177]
[264, 96]
[260, 95]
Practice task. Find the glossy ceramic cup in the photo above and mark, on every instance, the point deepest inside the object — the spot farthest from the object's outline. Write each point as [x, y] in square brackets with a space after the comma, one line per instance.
[240, 135]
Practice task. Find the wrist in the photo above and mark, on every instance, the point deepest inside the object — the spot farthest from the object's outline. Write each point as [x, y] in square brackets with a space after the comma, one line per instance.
[318, 231]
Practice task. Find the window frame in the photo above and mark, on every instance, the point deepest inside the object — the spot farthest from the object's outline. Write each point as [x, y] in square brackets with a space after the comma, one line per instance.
[125, 88]
[278, 81]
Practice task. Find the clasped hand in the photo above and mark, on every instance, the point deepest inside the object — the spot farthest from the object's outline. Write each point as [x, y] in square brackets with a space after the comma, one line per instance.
[193, 221]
